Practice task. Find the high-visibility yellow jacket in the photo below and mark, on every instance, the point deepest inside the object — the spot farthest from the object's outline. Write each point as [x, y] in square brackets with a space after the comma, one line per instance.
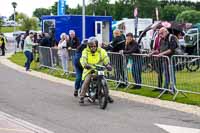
[100, 57]
[2, 39]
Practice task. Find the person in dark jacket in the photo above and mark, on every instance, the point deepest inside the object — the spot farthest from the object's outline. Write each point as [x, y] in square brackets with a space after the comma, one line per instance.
[118, 42]
[45, 41]
[132, 47]
[78, 66]
[2, 43]
[73, 40]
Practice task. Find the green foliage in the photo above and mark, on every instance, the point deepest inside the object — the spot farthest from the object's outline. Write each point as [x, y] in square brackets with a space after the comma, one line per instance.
[169, 12]
[41, 11]
[146, 8]
[190, 16]
[20, 17]
[28, 24]
[54, 8]
[8, 29]
[123, 9]
[1, 23]
[76, 11]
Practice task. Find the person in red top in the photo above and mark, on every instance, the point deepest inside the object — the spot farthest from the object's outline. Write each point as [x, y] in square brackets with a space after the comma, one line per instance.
[157, 65]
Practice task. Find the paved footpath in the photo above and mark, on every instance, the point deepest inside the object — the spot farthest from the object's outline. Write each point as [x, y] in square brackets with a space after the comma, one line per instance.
[47, 102]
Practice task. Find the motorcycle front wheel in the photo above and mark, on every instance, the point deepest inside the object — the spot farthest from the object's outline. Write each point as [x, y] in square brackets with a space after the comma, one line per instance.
[103, 94]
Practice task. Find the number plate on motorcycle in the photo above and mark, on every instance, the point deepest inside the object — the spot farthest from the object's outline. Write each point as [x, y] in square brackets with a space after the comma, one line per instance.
[100, 72]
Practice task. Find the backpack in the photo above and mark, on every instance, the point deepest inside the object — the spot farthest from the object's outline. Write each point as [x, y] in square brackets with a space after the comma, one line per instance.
[177, 50]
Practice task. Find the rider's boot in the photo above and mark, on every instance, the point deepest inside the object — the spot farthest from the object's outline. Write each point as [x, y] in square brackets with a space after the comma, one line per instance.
[75, 93]
[110, 100]
[81, 100]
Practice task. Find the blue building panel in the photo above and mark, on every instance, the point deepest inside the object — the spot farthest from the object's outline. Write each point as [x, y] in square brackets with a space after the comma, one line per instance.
[74, 22]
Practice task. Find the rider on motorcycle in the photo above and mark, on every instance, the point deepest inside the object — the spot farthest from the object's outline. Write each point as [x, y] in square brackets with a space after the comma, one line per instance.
[90, 56]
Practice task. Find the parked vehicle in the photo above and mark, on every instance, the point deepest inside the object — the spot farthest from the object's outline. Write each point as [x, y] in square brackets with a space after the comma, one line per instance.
[192, 41]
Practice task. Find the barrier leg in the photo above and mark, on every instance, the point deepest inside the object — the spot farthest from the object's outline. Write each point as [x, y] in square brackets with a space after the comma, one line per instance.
[174, 98]
[183, 94]
[163, 92]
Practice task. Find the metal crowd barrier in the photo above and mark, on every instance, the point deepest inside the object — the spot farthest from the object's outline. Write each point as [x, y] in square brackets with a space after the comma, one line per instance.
[149, 71]
[49, 58]
[71, 59]
[176, 75]
[55, 58]
[45, 57]
[187, 73]
[119, 69]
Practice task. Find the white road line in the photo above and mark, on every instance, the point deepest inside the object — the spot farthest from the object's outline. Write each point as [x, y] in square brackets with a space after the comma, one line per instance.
[176, 129]
[23, 123]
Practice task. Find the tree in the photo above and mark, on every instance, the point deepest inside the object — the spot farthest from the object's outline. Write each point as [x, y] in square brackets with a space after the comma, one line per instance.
[191, 16]
[77, 10]
[26, 22]
[20, 17]
[41, 11]
[169, 12]
[54, 8]
[146, 8]
[1, 23]
[123, 9]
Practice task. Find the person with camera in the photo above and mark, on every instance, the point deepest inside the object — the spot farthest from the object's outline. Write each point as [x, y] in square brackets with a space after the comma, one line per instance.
[28, 50]
[90, 56]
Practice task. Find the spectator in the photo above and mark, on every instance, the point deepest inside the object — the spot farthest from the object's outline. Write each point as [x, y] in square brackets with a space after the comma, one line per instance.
[133, 47]
[23, 39]
[18, 38]
[63, 51]
[45, 41]
[167, 48]
[78, 67]
[73, 40]
[118, 44]
[157, 64]
[2, 44]
[28, 43]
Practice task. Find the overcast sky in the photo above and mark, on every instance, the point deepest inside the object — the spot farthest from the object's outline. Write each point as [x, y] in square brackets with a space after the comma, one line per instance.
[28, 6]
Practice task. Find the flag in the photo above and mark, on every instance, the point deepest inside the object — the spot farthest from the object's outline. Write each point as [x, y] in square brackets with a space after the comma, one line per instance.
[135, 12]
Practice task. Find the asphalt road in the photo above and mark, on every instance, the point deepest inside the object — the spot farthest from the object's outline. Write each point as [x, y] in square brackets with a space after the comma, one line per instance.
[52, 106]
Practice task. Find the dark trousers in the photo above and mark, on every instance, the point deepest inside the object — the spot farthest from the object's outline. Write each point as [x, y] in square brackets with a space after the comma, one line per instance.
[119, 65]
[137, 70]
[3, 49]
[157, 65]
[163, 68]
[79, 71]
[29, 59]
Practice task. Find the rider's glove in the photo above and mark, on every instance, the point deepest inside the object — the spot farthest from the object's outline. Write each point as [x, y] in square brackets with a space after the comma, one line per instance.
[109, 67]
[87, 66]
